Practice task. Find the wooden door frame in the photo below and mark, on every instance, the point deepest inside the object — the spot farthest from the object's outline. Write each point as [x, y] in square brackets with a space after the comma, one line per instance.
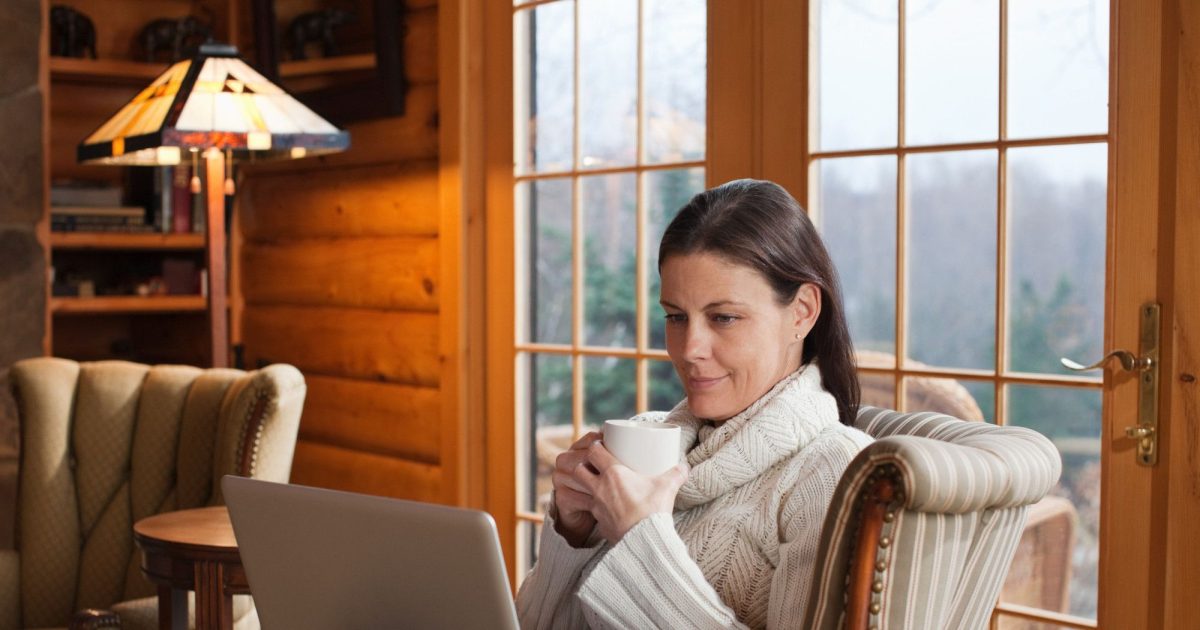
[476, 119]
[1179, 287]
[1148, 558]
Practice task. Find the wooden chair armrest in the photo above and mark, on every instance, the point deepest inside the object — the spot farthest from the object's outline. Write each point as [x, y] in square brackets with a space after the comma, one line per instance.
[864, 575]
[93, 619]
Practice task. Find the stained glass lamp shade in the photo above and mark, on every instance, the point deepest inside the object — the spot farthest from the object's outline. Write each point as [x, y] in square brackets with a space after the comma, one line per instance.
[214, 100]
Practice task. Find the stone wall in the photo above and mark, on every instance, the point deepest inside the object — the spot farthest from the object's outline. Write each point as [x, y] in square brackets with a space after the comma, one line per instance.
[22, 206]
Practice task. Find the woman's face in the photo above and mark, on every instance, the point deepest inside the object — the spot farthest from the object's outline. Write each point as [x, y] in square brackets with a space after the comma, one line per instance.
[729, 338]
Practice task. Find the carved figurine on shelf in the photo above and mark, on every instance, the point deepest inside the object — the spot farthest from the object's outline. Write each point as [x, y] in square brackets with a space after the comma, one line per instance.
[179, 37]
[316, 26]
[72, 33]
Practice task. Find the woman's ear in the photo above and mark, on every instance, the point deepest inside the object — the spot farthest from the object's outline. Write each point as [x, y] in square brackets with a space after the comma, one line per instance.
[806, 308]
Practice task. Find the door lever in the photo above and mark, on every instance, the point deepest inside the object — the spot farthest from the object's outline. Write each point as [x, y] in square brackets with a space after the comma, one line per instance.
[1145, 365]
[1129, 362]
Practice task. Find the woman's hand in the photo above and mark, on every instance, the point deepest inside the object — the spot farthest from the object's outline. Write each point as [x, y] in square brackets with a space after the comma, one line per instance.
[620, 497]
[573, 501]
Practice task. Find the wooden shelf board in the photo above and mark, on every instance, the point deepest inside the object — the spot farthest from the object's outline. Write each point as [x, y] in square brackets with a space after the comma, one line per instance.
[328, 65]
[128, 304]
[104, 70]
[122, 241]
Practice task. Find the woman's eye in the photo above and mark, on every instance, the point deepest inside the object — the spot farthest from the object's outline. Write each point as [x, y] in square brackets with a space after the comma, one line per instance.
[724, 319]
[676, 318]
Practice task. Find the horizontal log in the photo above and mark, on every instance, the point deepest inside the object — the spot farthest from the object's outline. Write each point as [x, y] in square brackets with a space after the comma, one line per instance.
[326, 466]
[387, 346]
[413, 136]
[387, 200]
[378, 418]
[387, 273]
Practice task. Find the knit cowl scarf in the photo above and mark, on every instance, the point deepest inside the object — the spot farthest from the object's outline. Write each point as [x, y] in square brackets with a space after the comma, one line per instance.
[727, 455]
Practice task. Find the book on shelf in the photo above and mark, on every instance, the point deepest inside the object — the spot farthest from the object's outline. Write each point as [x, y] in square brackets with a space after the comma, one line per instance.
[199, 216]
[163, 193]
[85, 193]
[138, 228]
[181, 198]
[123, 212]
[98, 219]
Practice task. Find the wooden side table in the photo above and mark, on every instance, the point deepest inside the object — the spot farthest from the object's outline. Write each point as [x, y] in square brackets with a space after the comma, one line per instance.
[192, 550]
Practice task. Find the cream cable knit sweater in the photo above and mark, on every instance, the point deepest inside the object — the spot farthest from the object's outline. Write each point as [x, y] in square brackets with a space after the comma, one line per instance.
[740, 548]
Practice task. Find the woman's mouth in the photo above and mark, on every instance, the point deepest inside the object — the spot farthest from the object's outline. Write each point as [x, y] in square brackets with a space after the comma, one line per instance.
[702, 383]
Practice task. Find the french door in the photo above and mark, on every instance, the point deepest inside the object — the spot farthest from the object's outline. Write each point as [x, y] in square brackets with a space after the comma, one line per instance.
[942, 186]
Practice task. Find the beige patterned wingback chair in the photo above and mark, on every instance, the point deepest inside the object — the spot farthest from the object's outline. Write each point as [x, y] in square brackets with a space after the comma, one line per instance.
[924, 522]
[105, 444]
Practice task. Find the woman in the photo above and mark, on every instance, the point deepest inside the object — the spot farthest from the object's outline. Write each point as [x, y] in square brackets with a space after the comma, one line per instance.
[756, 332]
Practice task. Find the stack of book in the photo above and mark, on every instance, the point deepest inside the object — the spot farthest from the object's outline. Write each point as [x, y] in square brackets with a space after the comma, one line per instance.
[165, 194]
[99, 219]
[91, 207]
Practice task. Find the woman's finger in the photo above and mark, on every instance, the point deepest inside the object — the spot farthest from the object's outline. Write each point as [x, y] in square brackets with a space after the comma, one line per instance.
[570, 500]
[586, 477]
[562, 479]
[585, 440]
[600, 458]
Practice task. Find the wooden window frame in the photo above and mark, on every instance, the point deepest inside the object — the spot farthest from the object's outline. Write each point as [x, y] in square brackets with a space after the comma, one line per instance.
[1146, 53]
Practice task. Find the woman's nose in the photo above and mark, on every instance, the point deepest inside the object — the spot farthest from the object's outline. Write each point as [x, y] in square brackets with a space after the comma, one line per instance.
[696, 345]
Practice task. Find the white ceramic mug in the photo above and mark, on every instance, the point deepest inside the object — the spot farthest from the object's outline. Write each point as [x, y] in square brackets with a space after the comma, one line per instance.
[649, 448]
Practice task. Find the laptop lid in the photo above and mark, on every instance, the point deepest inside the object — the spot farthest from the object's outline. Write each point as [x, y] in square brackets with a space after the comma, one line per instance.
[325, 559]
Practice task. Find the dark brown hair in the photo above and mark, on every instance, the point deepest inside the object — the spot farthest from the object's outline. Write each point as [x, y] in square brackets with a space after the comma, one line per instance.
[758, 224]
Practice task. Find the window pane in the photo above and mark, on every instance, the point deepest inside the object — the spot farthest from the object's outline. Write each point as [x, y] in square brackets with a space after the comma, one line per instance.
[984, 393]
[1057, 67]
[943, 395]
[951, 70]
[1056, 283]
[545, 207]
[610, 389]
[952, 259]
[607, 82]
[666, 192]
[856, 215]
[550, 395]
[856, 83]
[544, 88]
[675, 67]
[877, 391]
[1061, 540]
[665, 389]
[610, 257]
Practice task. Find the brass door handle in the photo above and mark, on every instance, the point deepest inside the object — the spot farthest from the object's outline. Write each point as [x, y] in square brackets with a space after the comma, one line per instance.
[1129, 362]
[1145, 365]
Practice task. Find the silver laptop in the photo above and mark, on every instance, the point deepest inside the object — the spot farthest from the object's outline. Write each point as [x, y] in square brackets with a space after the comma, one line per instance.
[324, 559]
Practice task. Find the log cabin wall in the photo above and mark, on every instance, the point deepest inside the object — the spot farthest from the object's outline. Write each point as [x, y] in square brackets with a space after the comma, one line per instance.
[337, 272]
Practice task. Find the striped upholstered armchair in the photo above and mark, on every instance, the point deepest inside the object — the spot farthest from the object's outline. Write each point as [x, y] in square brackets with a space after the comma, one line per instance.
[925, 521]
[105, 444]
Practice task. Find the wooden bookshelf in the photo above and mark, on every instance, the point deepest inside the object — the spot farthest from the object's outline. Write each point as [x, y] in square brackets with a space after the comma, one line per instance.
[128, 304]
[126, 242]
[327, 65]
[110, 71]
[121, 71]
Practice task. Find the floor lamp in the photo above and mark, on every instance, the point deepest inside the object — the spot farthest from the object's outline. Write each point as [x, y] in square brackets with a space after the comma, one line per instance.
[217, 107]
